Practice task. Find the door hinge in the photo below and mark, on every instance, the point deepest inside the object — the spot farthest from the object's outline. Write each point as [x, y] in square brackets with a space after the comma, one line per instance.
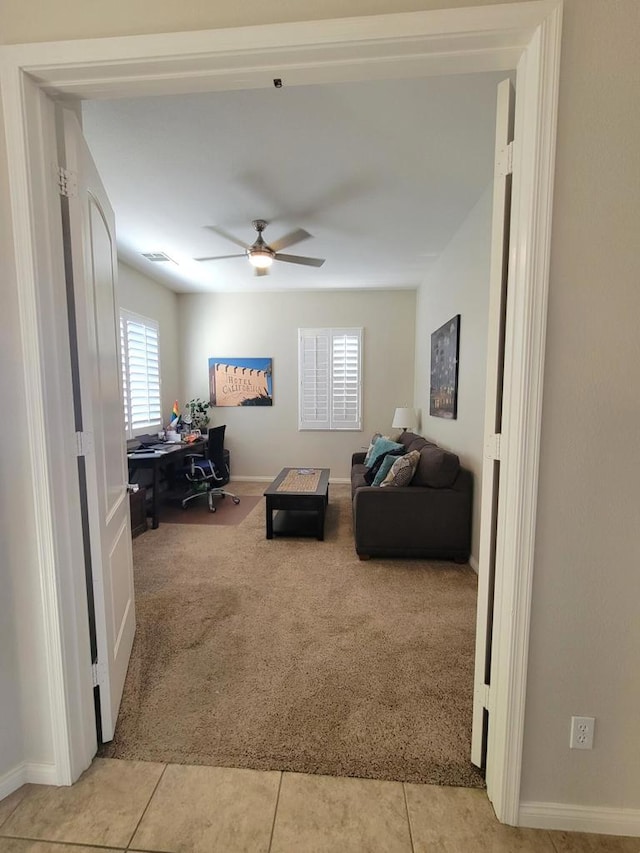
[504, 164]
[94, 674]
[84, 443]
[67, 182]
[492, 447]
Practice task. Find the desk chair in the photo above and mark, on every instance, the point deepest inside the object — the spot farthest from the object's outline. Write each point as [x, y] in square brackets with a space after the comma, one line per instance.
[210, 473]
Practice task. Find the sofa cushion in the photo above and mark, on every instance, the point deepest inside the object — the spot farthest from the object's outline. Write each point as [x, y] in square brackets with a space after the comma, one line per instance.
[413, 441]
[402, 470]
[437, 468]
[381, 446]
[407, 438]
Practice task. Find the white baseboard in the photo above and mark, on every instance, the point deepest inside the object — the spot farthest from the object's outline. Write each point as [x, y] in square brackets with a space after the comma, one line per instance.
[42, 774]
[242, 478]
[12, 780]
[38, 774]
[597, 819]
[473, 563]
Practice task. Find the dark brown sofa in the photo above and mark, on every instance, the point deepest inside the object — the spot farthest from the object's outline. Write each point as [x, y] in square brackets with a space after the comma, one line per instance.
[431, 517]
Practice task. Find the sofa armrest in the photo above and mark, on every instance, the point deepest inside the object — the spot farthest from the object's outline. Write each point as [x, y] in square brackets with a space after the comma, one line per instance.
[358, 459]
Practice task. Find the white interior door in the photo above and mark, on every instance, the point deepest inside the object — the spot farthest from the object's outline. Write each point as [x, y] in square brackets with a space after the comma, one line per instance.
[493, 416]
[91, 267]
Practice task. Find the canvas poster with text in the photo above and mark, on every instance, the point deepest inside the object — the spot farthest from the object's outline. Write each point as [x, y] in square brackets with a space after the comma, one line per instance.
[240, 381]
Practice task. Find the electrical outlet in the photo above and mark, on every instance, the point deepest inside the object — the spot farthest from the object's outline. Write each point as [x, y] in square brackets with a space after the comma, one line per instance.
[582, 732]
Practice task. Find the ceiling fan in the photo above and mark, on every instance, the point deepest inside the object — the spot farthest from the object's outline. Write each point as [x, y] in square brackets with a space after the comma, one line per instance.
[260, 254]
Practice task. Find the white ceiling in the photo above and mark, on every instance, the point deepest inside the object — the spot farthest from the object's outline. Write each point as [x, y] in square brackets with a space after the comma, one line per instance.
[381, 173]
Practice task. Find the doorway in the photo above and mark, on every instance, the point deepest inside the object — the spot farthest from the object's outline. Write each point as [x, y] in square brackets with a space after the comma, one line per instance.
[529, 39]
[378, 133]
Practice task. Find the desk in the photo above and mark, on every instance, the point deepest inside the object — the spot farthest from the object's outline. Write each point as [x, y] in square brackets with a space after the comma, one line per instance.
[138, 511]
[172, 455]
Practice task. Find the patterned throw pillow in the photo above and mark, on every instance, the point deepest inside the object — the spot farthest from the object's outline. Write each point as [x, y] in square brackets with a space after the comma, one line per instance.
[402, 470]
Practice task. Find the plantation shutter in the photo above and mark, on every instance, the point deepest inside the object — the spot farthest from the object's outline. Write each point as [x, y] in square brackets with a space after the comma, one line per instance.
[330, 366]
[125, 375]
[315, 388]
[141, 372]
[345, 379]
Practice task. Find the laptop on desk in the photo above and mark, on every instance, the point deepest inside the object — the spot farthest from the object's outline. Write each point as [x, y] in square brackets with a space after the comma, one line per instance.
[147, 440]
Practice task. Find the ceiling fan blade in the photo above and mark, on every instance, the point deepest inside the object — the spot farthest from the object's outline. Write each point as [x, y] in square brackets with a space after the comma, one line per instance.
[297, 259]
[261, 271]
[219, 257]
[222, 233]
[296, 236]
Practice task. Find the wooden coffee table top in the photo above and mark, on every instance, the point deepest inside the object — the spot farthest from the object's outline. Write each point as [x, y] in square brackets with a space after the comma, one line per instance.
[300, 481]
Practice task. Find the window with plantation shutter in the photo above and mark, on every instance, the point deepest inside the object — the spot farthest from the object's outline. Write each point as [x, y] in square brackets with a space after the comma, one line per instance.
[140, 352]
[330, 370]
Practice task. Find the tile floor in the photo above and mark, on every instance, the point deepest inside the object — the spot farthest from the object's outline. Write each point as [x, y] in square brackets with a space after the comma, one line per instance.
[142, 806]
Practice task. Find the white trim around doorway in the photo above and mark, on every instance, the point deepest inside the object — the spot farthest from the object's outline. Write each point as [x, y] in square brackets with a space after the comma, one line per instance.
[524, 36]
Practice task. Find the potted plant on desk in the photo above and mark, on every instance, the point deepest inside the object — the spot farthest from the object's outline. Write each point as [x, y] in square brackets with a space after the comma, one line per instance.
[196, 411]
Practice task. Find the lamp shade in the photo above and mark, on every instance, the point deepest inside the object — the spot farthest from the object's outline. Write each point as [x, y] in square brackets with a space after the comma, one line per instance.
[404, 418]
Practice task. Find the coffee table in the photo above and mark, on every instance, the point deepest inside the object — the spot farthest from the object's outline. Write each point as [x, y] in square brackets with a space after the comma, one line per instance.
[301, 496]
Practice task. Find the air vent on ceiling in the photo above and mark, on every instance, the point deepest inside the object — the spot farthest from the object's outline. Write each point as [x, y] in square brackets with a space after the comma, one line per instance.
[157, 257]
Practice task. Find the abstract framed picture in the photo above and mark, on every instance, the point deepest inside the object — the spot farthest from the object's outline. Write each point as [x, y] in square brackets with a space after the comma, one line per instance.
[241, 381]
[445, 349]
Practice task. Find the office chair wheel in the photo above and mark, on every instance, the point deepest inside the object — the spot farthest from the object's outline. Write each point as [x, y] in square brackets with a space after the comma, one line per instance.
[212, 508]
[236, 500]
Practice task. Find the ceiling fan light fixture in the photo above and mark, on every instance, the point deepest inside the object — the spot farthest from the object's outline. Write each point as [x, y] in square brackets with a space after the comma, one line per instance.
[260, 258]
[260, 254]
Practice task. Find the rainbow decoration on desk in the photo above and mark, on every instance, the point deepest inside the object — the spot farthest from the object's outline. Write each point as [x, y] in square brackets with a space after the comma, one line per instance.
[175, 416]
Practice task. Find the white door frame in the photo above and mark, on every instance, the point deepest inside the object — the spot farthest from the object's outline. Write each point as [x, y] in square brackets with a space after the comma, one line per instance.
[524, 36]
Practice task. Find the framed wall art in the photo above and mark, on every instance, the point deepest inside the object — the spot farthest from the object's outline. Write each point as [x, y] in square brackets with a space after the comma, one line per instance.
[445, 349]
[241, 381]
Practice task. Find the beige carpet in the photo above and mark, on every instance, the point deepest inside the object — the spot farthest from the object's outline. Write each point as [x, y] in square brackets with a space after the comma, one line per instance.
[291, 654]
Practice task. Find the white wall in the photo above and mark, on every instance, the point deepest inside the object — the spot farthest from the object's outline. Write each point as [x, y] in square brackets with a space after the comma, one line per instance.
[37, 21]
[143, 295]
[261, 439]
[13, 550]
[585, 632]
[24, 721]
[458, 283]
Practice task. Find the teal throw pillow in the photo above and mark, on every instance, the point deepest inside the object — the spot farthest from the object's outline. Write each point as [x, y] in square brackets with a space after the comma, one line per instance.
[370, 473]
[374, 438]
[384, 469]
[381, 446]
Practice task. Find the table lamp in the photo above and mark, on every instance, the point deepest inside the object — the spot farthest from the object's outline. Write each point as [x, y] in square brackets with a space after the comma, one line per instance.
[404, 419]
